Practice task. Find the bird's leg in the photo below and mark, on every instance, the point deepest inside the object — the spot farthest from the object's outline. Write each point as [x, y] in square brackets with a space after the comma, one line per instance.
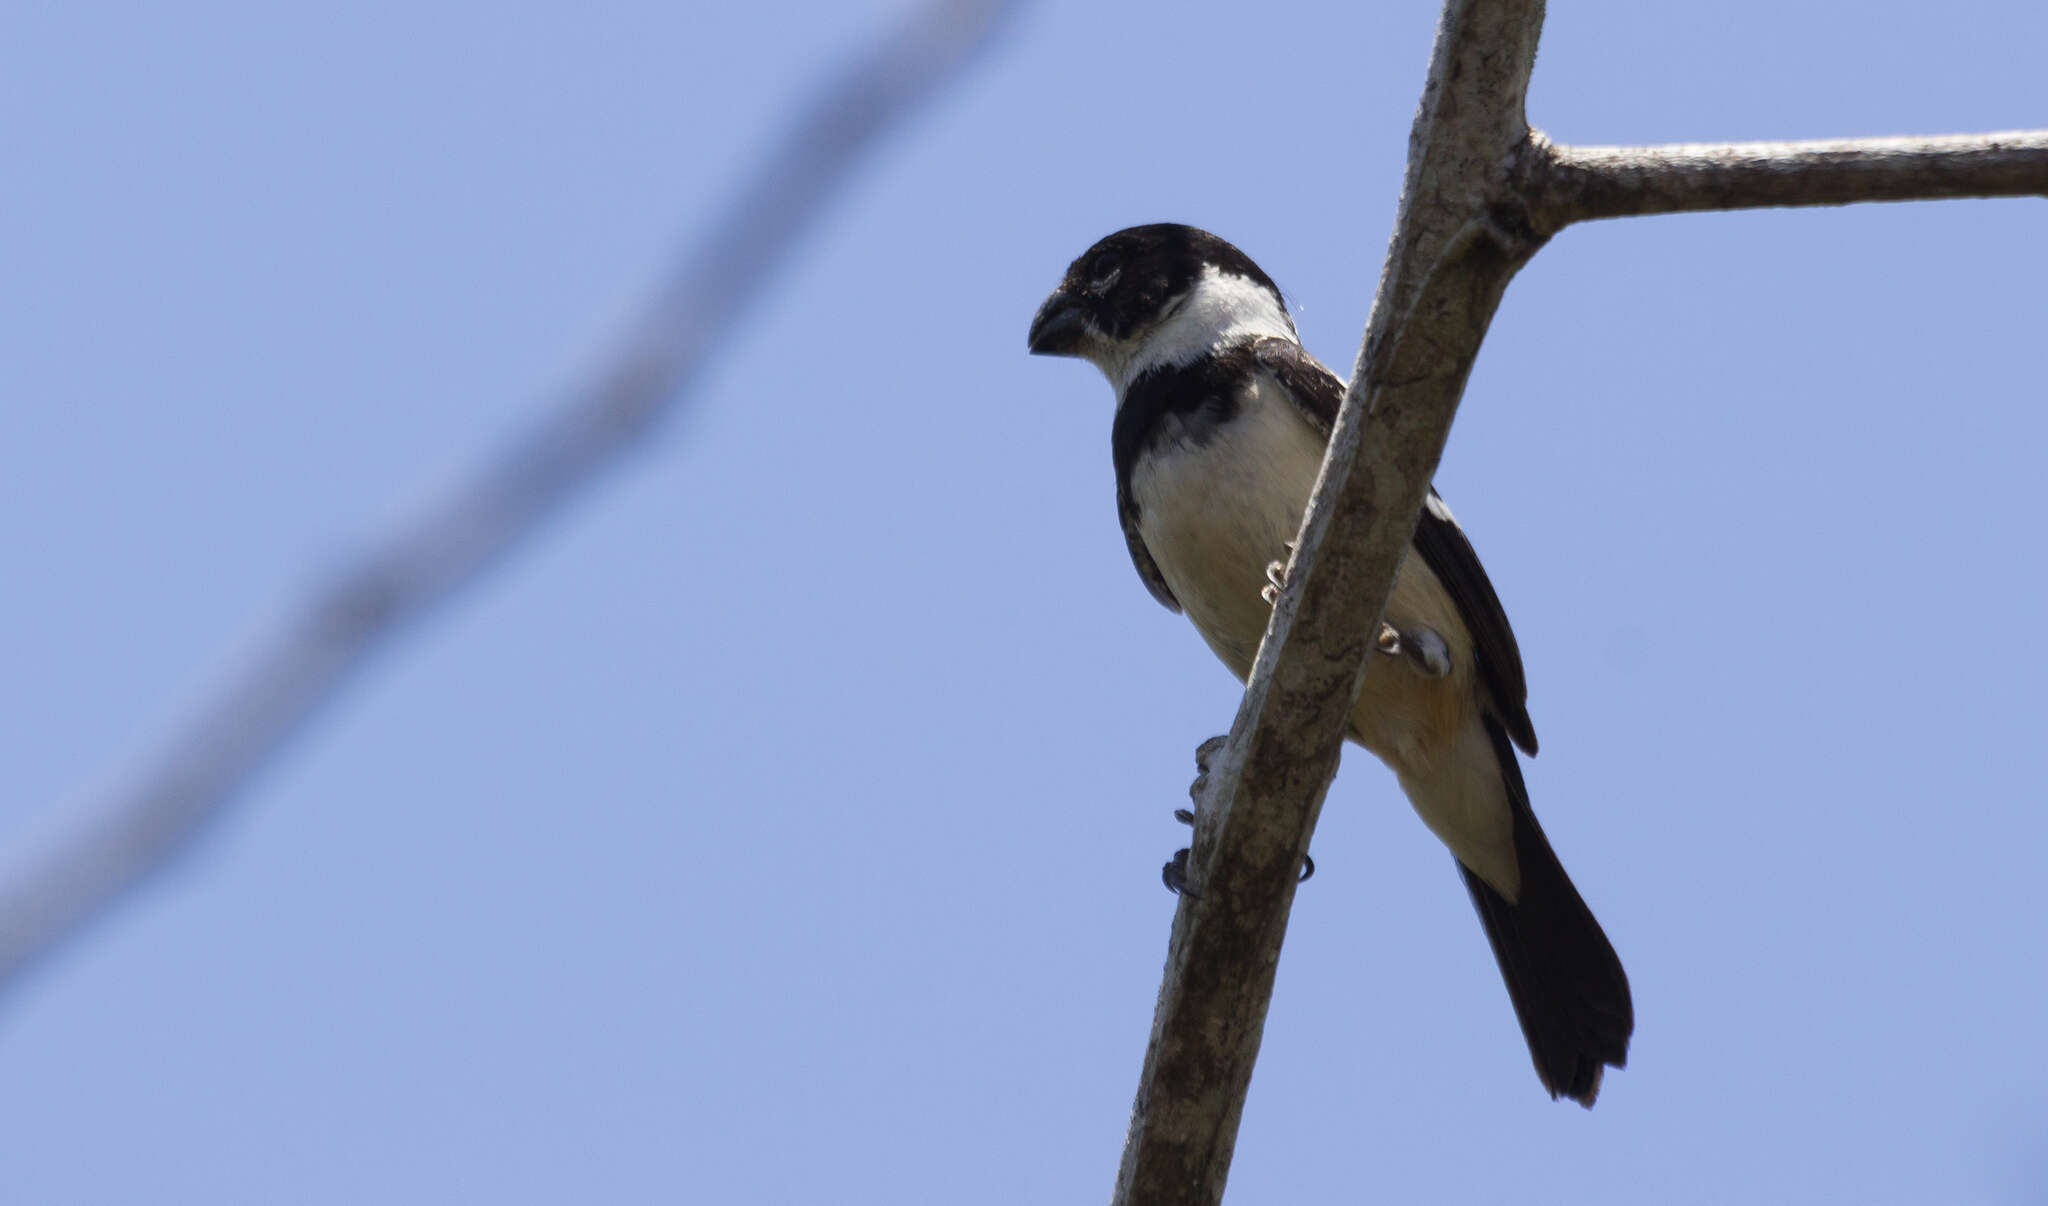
[1421, 646]
[1428, 652]
[1175, 873]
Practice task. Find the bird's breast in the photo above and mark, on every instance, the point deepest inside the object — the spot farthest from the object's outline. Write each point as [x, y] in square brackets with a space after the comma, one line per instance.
[1217, 504]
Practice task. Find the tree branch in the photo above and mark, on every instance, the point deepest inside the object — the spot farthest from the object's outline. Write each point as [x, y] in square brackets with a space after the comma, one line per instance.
[1482, 195]
[1575, 184]
[1448, 264]
[97, 852]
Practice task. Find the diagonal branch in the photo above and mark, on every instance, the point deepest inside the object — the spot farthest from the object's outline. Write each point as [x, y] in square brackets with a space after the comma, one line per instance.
[97, 852]
[1446, 269]
[1482, 195]
[1575, 184]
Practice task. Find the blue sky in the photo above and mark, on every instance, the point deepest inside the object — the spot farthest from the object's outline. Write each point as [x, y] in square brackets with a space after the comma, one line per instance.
[784, 826]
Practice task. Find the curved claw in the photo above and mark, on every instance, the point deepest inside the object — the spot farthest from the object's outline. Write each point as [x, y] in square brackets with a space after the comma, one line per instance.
[1308, 868]
[1276, 581]
[1175, 875]
[1276, 577]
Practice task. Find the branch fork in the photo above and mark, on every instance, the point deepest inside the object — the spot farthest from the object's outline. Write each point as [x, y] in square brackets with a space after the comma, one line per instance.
[1483, 193]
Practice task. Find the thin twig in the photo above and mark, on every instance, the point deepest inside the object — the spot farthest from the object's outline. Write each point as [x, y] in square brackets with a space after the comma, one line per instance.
[96, 852]
[1574, 184]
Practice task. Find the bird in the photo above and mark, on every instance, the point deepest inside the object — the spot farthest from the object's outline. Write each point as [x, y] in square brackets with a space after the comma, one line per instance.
[1222, 419]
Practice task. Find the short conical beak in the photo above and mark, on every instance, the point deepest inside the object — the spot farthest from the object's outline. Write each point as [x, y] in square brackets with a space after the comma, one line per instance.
[1060, 327]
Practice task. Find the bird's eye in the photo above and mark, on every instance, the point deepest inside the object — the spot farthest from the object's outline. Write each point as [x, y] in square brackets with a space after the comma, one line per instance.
[1104, 276]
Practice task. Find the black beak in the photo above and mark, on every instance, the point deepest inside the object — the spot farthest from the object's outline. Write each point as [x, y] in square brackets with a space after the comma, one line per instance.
[1060, 328]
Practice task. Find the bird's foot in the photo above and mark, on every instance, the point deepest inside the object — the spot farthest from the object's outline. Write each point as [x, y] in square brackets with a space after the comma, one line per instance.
[1429, 652]
[1276, 577]
[1175, 873]
[1421, 646]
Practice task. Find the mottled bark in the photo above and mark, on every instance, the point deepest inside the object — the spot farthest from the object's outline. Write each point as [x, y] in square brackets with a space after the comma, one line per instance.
[1483, 193]
[1574, 184]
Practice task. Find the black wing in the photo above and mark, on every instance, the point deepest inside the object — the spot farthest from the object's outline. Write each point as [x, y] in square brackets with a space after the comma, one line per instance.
[1317, 392]
[1314, 389]
[1148, 569]
[1451, 557]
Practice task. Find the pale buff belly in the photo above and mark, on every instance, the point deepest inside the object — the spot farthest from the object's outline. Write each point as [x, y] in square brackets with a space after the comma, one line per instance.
[1214, 515]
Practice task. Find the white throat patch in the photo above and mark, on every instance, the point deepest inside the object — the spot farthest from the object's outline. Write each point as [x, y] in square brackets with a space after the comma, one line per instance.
[1221, 309]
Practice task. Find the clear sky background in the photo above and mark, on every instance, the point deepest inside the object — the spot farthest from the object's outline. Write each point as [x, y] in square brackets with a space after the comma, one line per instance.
[785, 825]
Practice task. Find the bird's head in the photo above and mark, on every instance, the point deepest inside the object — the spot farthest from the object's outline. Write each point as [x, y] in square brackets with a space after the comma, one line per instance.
[1153, 296]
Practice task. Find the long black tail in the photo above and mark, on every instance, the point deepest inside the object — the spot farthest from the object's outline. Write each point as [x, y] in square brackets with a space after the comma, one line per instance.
[1567, 983]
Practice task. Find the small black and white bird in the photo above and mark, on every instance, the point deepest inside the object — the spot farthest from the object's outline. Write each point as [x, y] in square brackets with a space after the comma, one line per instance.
[1221, 422]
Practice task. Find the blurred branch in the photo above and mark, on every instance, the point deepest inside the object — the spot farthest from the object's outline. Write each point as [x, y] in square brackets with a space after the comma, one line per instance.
[1574, 184]
[1481, 197]
[98, 851]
